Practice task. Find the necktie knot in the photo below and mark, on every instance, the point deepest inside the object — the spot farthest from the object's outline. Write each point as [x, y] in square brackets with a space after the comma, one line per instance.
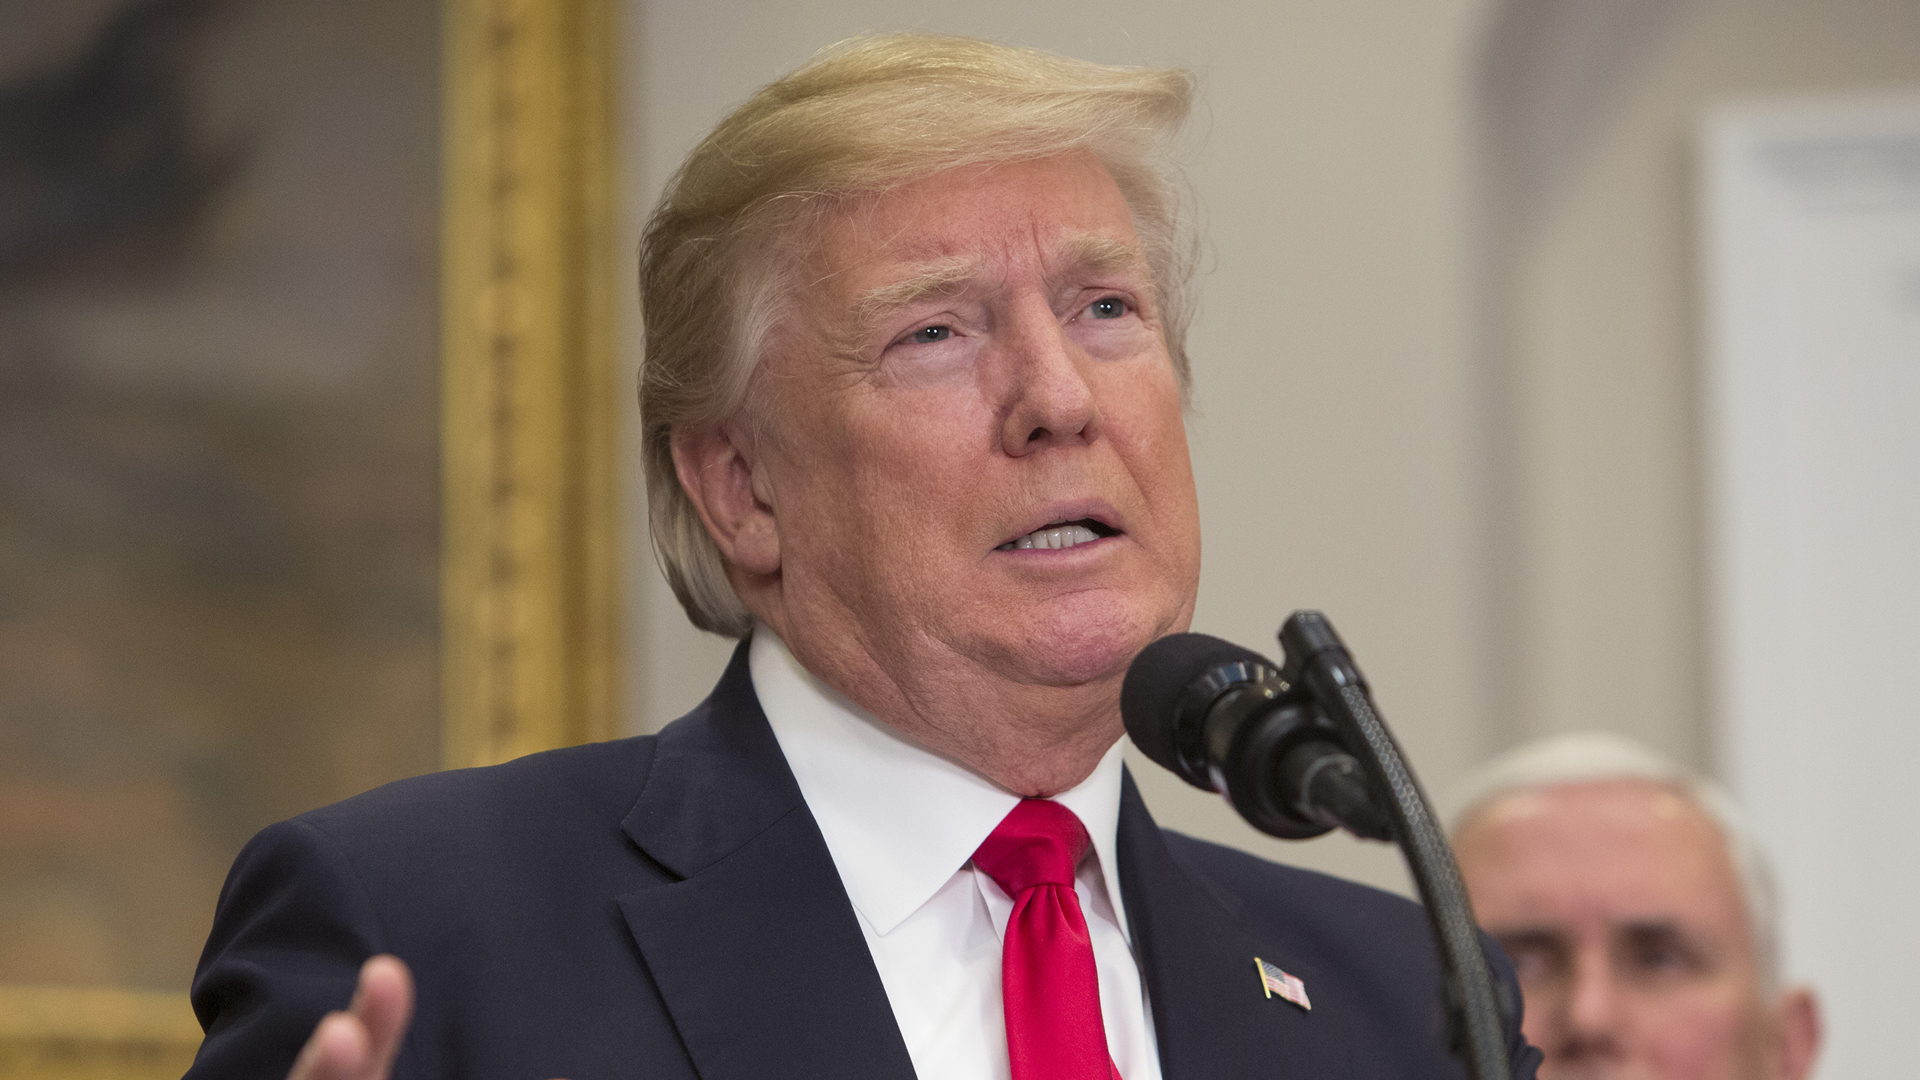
[1039, 842]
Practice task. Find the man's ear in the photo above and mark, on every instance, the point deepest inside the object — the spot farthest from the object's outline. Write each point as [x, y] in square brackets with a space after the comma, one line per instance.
[717, 471]
[1797, 1029]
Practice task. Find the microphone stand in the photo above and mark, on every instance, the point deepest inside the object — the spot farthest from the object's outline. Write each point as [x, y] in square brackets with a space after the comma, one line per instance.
[1317, 660]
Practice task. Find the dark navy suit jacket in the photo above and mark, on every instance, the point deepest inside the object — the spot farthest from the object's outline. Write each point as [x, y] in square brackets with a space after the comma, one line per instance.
[665, 907]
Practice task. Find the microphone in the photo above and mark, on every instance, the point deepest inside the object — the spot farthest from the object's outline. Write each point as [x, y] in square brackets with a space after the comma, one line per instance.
[1299, 749]
[1226, 719]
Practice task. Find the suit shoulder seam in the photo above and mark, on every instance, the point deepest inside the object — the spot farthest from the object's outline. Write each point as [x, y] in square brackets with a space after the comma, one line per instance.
[338, 853]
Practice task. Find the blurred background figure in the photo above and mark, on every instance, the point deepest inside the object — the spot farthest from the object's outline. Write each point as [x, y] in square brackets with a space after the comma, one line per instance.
[1639, 912]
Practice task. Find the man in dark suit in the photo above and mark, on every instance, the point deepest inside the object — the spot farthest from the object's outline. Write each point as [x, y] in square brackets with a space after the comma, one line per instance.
[913, 407]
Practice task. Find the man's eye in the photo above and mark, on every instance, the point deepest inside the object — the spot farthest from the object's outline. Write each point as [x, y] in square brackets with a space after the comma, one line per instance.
[1661, 957]
[1111, 307]
[1536, 963]
[1661, 952]
[927, 335]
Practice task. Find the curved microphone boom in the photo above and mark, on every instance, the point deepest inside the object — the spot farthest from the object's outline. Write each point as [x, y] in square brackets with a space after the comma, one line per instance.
[1299, 749]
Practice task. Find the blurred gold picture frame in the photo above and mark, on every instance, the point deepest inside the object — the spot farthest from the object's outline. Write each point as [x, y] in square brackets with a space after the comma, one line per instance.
[529, 581]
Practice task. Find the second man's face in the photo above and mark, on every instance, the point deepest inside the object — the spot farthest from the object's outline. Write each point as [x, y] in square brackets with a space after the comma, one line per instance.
[1624, 918]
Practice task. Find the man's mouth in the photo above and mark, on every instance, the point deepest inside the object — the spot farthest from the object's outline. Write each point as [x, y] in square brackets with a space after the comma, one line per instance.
[1059, 534]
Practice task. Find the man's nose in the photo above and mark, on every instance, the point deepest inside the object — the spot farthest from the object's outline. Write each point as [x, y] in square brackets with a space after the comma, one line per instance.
[1049, 400]
[1593, 1004]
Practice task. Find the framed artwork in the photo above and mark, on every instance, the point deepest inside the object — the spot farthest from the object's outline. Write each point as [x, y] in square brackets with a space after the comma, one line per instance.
[307, 408]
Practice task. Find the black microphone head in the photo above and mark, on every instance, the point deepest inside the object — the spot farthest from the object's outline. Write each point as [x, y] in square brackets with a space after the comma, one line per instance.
[1160, 686]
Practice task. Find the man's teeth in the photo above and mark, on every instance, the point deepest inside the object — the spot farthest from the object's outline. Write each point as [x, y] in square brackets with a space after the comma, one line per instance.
[1052, 537]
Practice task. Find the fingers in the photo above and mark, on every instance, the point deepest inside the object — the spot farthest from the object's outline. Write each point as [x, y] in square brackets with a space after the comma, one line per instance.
[337, 1050]
[361, 1043]
[384, 1003]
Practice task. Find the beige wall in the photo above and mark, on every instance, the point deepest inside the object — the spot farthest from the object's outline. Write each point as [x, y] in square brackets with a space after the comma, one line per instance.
[1594, 307]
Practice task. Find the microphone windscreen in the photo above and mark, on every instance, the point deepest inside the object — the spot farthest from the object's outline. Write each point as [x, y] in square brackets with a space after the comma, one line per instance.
[1159, 677]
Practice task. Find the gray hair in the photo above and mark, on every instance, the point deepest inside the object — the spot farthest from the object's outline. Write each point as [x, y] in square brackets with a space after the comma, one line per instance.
[1592, 756]
[866, 116]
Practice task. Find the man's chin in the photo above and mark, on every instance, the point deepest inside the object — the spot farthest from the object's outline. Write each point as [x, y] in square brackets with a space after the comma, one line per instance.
[1077, 651]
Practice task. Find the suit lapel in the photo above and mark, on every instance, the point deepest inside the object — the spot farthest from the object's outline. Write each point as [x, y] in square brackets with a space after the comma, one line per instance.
[1210, 1016]
[755, 947]
[758, 955]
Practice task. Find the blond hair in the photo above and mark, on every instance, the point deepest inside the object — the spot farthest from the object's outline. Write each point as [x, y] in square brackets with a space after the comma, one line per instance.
[863, 117]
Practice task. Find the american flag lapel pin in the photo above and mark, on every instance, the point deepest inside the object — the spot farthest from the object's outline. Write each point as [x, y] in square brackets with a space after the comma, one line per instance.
[1274, 981]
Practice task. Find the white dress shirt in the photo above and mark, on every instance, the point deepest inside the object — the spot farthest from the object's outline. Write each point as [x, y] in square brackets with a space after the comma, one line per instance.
[902, 824]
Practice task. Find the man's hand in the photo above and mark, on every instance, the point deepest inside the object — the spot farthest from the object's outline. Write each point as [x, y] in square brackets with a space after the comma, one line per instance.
[360, 1044]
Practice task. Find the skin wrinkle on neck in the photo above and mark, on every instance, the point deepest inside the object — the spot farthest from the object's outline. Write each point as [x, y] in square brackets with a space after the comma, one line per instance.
[965, 741]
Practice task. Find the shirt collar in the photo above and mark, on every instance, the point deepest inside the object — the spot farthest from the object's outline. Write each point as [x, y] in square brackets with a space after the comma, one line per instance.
[899, 819]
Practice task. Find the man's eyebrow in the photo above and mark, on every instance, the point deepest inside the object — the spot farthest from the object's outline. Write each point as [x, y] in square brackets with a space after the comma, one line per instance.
[934, 279]
[1092, 252]
[942, 277]
[1645, 932]
[1532, 937]
[1081, 253]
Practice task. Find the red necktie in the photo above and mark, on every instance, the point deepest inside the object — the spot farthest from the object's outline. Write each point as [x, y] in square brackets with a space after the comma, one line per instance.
[1047, 977]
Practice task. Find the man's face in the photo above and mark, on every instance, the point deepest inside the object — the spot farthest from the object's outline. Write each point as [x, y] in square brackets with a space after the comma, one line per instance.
[976, 378]
[1623, 915]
